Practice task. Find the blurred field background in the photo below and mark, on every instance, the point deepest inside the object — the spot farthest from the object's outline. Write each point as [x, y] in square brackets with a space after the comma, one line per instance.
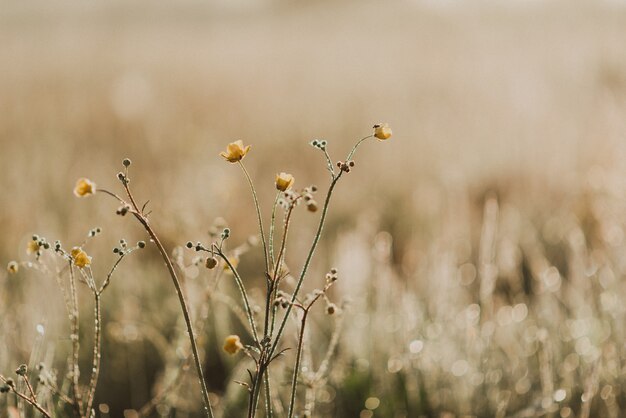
[482, 248]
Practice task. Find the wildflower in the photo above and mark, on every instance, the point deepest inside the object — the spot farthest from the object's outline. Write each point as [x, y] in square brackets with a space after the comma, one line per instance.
[235, 151]
[382, 131]
[13, 267]
[81, 259]
[32, 247]
[284, 181]
[232, 344]
[84, 187]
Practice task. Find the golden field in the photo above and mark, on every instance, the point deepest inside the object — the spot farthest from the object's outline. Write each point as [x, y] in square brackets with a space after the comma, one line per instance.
[481, 247]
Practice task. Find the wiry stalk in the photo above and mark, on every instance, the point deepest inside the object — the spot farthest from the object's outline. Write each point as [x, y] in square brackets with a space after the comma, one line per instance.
[97, 344]
[143, 220]
[307, 262]
[244, 295]
[74, 325]
[259, 217]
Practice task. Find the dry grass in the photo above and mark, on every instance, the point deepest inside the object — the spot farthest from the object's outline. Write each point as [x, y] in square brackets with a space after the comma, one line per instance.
[482, 249]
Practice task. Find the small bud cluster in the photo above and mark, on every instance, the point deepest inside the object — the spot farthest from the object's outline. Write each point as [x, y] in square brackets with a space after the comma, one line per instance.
[292, 199]
[21, 370]
[282, 300]
[319, 144]
[36, 245]
[345, 166]
[123, 248]
[94, 232]
[331, 276]
[122, 210]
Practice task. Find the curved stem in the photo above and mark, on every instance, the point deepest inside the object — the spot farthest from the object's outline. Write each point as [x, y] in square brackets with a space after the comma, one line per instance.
[186, 315]
[353, 150]
[179, 292]
[244, 295]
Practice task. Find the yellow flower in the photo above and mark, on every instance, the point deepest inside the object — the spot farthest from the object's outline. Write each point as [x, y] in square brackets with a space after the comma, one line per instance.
[13, 267]
[84, 187]
[284, 181]
[382, 131]
[232, 344]
[235, 151]
[32, 247]
[81, 259]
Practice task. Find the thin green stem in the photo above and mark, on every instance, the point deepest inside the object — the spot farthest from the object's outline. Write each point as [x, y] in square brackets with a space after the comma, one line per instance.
[279, 262]
[296, 370]
[309, 257]
[307, 262]
[268, 398]
[97, 343]
[259, 217]
[272, 227]
[74, 330]
[244, 295]
[353, 150]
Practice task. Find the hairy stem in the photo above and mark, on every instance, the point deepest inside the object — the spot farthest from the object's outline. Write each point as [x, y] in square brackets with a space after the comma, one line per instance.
[272, 228]
[179, 292]
[244, 295]
[74, 330]
[97, 345]
[296, 370]
[259, 217]
[307, 262]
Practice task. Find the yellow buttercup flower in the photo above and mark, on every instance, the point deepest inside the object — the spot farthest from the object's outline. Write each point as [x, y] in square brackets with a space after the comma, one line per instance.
[284, 181]
[382, 131]
[84, 187]
[232, 344]
[13, 267]
[235, 151]
[81, 259]
[32, 247]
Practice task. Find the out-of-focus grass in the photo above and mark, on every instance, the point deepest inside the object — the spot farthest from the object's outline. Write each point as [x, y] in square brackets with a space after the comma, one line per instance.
[520, 105]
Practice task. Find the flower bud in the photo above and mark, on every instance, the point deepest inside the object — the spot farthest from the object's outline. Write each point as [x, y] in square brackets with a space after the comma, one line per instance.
[84, 187]
[382, 131]
[13, 267]
[21, 370]
[210, 262]
[232, 344]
